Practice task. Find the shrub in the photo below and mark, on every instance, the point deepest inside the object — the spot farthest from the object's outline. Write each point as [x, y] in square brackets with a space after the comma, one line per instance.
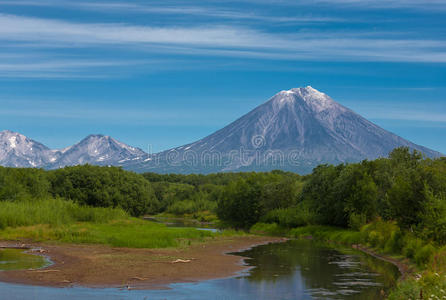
[191, 206]
[299, 215]
[412, 246]
[356, 221]
[424, 254]
[396, 242]
[378, 233]
[270, 229]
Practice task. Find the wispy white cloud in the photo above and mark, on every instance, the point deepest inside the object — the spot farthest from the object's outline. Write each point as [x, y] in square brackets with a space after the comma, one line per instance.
[413, 4]
[426, 5]
[410, 115]
[221, 41]
[82, 111]
[425, 110]
[178, 10]
[41, 65]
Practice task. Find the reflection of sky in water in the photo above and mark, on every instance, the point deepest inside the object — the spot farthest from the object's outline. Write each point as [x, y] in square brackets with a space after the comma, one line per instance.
[292, 270]
[222, 289]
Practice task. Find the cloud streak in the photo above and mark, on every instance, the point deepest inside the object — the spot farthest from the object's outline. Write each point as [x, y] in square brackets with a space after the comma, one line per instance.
[226, 41]
[425, 5]
[177, 10]
[79, 111]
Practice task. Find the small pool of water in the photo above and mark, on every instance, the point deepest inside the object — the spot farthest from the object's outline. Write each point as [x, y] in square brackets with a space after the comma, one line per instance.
[178, 222]
[19, 259]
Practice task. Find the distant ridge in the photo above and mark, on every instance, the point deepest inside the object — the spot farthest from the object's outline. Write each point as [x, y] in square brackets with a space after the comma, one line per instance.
[16, 150]
[97, 149]
[295, 130]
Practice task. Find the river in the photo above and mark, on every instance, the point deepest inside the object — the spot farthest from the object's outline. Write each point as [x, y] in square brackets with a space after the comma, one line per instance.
[296, 269]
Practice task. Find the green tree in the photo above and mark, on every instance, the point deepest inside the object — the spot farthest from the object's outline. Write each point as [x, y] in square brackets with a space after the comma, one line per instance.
[239, 204]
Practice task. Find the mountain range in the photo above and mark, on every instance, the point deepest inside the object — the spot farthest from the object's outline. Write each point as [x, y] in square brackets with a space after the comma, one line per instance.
[16, 150]
[295, 130]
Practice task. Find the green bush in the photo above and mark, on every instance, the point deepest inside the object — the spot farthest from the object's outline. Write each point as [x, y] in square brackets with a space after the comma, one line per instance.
[356, 221]
[378, 233]
[433, 217]
[268, 229]
[191, 207]
[327, 233]
[424, 254]
[104, 187]
[412, 246]
[396, 242]
[299, 215]
[407, 289]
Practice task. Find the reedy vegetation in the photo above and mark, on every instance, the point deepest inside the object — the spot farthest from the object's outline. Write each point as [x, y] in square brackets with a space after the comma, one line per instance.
[64, 221]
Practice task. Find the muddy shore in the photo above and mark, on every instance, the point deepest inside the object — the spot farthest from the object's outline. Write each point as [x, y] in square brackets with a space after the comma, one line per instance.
[103, 266]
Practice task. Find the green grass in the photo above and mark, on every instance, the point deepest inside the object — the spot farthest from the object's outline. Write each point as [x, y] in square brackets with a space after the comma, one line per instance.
[67, 222]
[318, 232]
[132, 233]
[327, 233]
[268, 229]
[54, 212]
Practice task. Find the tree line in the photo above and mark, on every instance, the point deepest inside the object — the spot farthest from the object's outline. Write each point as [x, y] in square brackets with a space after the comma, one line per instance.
[405, 187]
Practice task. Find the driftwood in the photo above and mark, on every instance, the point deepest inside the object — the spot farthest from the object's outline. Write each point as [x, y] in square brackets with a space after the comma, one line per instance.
[139, 278]
[44, 271]
[181, 261]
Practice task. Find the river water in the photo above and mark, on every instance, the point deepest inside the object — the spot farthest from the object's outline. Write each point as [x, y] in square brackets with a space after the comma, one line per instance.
[297, 269]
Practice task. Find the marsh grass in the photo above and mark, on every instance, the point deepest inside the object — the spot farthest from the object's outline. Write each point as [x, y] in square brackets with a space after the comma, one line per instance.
[327, 233]
[64, 221]
[54, 212]
[318, 232]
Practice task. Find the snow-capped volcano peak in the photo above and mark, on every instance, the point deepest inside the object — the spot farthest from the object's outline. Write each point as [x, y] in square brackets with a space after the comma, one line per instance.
[317, 100]
[98, 149]
[296, 130]
[16, 150]
[312, 98]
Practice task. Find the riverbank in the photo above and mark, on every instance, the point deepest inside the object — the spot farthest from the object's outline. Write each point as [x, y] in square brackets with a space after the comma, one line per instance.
[104, 266]
[404, 267]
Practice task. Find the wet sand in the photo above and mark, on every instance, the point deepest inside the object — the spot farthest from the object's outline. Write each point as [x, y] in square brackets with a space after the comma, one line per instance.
[104, 266]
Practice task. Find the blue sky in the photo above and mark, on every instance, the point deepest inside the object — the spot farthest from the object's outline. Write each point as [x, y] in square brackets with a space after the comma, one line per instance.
[165, 73]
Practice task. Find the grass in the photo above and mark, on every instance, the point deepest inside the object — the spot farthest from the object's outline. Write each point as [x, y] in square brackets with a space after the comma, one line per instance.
[323, 233]
[54, 212]
[132, 233]
[67, 222]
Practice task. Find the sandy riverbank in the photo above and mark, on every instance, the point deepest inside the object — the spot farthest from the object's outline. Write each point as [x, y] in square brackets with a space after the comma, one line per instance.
[103, 266]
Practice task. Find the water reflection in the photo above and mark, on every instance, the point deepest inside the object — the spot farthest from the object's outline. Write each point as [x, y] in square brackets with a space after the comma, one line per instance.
[298, 269]
[181, 223]
[320, 270]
